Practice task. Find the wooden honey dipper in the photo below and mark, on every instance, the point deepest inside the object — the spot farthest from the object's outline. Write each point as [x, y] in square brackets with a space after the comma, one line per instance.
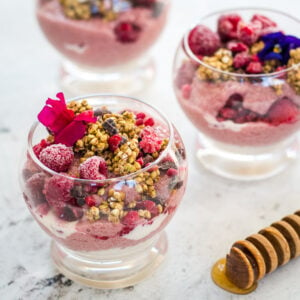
[251, 259]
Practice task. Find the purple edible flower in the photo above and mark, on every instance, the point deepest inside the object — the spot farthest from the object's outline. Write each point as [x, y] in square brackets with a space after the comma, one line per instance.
[278, 46]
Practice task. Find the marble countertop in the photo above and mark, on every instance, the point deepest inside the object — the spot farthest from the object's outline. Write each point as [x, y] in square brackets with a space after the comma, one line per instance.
[214, 212]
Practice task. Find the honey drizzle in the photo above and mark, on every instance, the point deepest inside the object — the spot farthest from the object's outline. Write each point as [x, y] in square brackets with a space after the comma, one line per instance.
[220, 279]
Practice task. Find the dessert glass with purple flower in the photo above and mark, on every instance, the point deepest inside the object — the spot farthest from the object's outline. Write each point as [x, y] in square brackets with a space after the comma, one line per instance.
[237, 78]
[104, 43]
[103, 175]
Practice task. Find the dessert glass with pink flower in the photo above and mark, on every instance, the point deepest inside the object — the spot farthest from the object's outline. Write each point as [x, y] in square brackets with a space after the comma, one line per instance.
[104, 43]
[103, 175]
[236, 77]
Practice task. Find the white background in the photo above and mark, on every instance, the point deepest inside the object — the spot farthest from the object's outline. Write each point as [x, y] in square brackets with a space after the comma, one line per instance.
[214, 213]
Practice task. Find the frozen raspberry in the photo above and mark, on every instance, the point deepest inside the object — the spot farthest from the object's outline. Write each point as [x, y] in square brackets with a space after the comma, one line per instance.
[254, 67]
[186, 90]
[57, 191]
[149, 122]
[283, 111]
[139, 122]
[127, 32]
[172, 172]
[90, 201]
[185, 74]
[132, 218]
[93, 168]
[39, 147]
[203, 41]
[237, 47]
[114, 142]
[265, 21]
[150, 142]
[57, 157]
[227, 26]
[248, 33]
[141, 116]
[241, 60]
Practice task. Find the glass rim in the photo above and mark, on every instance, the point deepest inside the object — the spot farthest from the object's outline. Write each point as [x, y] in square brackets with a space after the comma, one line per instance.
[190, 53]
[113, 179]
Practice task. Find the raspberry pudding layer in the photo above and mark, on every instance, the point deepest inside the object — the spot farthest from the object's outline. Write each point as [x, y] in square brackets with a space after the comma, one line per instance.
[237, 81]
[101, 33]
[104, 174]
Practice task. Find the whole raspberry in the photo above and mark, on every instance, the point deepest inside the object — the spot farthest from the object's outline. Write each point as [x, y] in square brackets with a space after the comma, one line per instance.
[93, 168]
[237, 47]
[283, 111]
[141, 115]
[203, 41]
[265, 21]
[227, 26]
[241, 60]
[132, 218]
[254, 67]
[114, 142]
[37, 149]
[127, 32]
[248, 33]
[57, 191]
[149, 122]
[57, 157]
[150, 142]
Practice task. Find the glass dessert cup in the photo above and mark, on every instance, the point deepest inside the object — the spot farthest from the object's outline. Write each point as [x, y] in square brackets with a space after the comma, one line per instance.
[242, 149]
[112, 251]
[107, 51]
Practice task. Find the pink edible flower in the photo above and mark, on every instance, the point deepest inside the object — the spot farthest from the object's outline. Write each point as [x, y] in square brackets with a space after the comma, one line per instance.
[66, 127]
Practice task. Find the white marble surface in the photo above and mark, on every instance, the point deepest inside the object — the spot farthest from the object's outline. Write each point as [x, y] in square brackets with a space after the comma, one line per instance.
[214, 212]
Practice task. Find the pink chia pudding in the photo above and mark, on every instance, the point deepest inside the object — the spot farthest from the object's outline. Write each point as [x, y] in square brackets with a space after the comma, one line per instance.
[102, 179]
[97, 33]
[240, 85]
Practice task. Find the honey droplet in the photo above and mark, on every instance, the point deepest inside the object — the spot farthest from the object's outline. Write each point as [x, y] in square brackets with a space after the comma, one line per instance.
[220, 279]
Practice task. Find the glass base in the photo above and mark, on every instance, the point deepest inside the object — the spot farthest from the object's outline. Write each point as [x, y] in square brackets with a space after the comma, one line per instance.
[127, 79]
[246, 163]
[107, 270]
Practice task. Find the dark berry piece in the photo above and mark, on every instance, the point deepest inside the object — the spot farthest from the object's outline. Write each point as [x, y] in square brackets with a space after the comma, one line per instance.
[99, 112]
[227, 26]
[127, 32]
[203, 41]
[70, 213]
[110, 126]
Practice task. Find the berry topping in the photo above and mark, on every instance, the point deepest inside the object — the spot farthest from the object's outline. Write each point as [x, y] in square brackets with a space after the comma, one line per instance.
[132, 218]
[127, 32]
[241, 60]
[141, 116]
[248, 33]
[57, 191]
[149, 122]
[140, 161]
[283, 111]
[114, 142]
[227, 26]
[172, 172]
[254, 67]
[264, 21]
[57, 157]
[90, 201]
[37, 149]
[237, 47]
[150, 142]
[203, 41]
[93, 168]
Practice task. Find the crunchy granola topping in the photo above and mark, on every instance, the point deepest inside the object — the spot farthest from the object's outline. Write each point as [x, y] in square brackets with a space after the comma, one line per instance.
[294, 74]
